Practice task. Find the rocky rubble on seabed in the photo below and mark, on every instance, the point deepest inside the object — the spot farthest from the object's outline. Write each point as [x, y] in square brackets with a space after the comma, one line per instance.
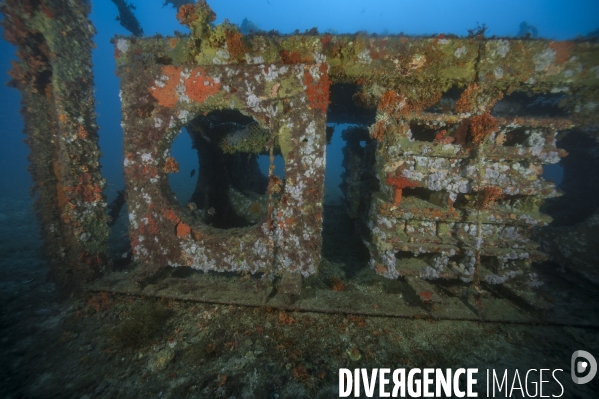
[107, 346]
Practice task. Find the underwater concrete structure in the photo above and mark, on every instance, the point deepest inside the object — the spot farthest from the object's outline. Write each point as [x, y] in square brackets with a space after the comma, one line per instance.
[54, 76]
[443, 172]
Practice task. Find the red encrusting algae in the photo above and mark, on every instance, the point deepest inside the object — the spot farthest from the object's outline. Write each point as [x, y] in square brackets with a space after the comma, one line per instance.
[490, 196]
[481, 126]
[198, 87]
[170, 215]
[235, 44]
[378, 131]
[166, 94]
[391, 102]
[318, 92]
[171, 165]
[467, 100]
[187, 14]
[182, 229]
[399, 183]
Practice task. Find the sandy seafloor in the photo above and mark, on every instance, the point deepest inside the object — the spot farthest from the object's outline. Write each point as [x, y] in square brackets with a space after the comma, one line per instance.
[107, 346]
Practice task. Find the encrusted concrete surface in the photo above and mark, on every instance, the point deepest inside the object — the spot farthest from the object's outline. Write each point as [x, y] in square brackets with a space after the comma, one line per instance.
[55, 79]
[470, 170]
[164, 233]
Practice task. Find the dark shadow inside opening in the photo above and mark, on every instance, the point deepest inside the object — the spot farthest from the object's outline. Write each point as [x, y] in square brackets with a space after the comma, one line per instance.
[580, 183]
[423, 133]
[230, 189]
[520, 103]
[446, 104]
[516, 137]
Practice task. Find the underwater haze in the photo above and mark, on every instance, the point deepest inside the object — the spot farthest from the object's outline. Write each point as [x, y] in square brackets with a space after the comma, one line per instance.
[205, 332]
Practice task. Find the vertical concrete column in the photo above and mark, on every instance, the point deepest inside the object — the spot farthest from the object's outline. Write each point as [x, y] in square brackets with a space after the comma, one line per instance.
[54, 76]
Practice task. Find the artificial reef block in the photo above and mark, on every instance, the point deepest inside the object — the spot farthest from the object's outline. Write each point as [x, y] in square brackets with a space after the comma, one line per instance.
[286, 103]
[54, 76]
[464, 204]
[444, 172]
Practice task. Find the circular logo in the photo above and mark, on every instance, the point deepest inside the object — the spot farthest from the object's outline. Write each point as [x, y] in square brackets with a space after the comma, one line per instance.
[581, 366]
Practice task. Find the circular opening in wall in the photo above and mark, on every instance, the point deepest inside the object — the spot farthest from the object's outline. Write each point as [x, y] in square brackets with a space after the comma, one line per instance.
[226, 187]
